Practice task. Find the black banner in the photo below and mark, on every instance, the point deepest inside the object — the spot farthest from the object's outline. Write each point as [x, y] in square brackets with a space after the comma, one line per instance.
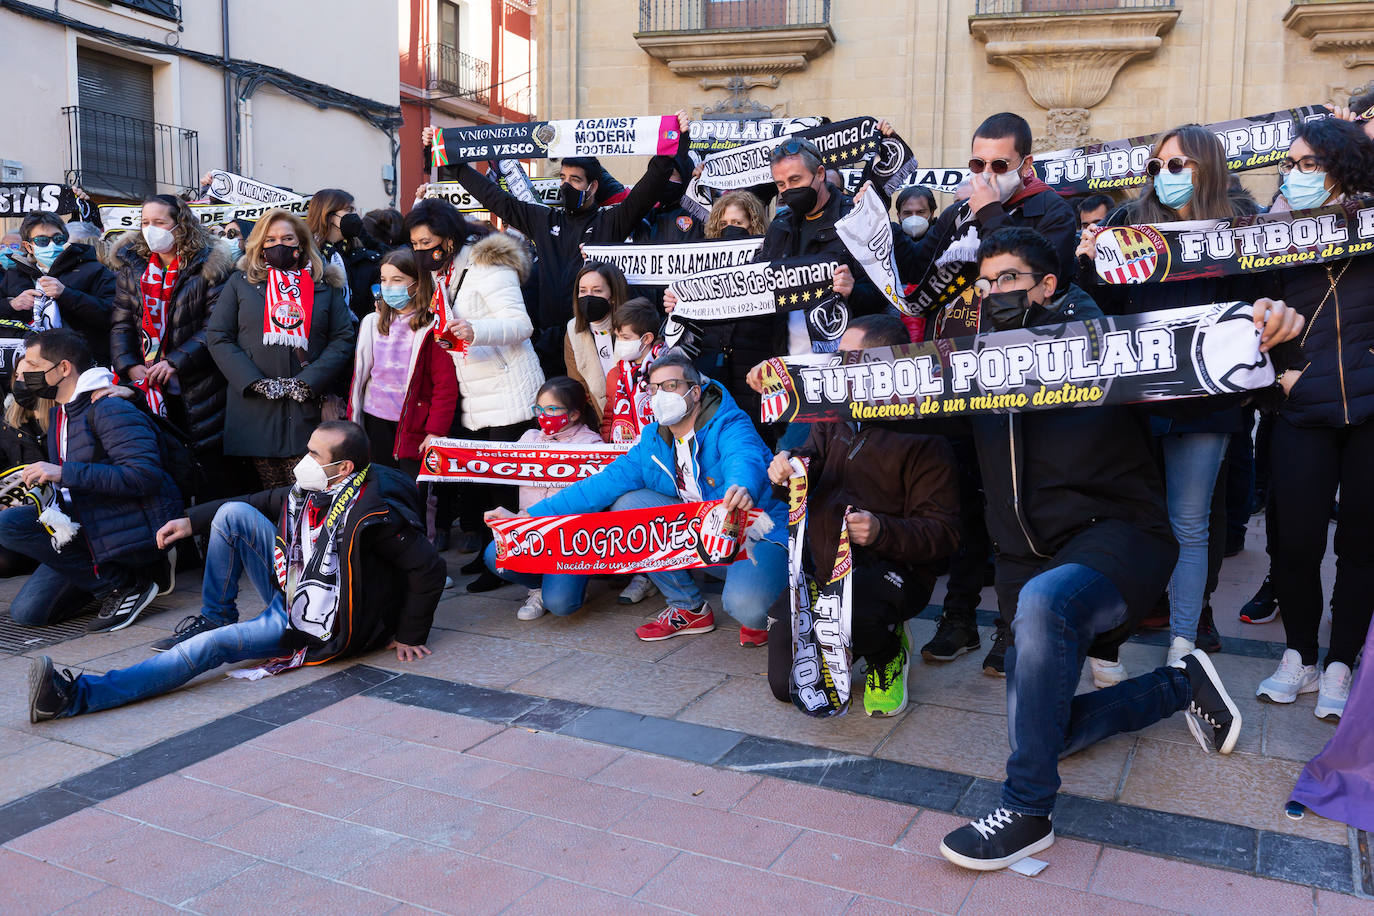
[1180, 353]
[765, 288]
[22, 198]
[713, 136]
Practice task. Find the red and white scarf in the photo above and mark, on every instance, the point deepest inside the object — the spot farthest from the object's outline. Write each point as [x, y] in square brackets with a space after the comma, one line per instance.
[156, 286]
[290, 301]
[630, 400]
[444, 335]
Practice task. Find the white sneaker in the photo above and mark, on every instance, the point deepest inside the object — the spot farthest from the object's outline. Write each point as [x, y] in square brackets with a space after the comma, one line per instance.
[1177, 649]
[640, 587]
[1335, 690]
[533, 608]
[1292, 678]
[1105, 673]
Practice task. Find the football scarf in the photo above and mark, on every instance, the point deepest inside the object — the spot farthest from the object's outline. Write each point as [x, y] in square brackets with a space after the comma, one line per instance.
[1178, 353]
[644, 136]
[1190, 249]
[312, 587]
[60, 527]
[767, 288]
[156, 285]
[660, 263]
[630, 400]
[866, 232]
[816, 643]
[290, 301]
[444, 334]
[553, 464]
[654, 539]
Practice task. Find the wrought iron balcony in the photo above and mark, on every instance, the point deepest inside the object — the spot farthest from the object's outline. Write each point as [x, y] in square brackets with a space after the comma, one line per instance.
[1037, 7]
[458, 74]
[729, 15]
[129, 157]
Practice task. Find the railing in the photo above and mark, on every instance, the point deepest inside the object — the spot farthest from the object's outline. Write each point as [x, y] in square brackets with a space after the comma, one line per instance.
[129, 157]
[727, 15]
[520, 102]
[1030, 7]
[459, 74]
[165, 9]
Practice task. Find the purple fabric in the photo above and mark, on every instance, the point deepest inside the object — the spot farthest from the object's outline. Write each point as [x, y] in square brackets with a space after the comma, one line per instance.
[1339, 782]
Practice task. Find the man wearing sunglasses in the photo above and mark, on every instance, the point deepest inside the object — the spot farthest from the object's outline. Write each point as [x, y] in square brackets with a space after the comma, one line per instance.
[51, 266]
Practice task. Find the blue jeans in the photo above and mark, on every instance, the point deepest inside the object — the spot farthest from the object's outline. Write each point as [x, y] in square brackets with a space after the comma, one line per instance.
[561, 593]
[1058, 615]
[750, 587]
[241, 540]
[1191, 464]
[58, 588]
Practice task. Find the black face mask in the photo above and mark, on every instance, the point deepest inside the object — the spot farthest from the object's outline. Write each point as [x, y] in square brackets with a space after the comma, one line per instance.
[1005, 311]
[734, 232]
[33, 385]
[595, 308]
[350, 225]
[573, 199]
[282, 257]
[800, 201]
[431, 258]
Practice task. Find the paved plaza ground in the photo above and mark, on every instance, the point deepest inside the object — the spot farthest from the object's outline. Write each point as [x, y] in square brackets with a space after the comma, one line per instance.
[562, 765]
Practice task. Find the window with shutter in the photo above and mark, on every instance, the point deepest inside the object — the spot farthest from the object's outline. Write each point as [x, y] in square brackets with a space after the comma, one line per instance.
[115, 131]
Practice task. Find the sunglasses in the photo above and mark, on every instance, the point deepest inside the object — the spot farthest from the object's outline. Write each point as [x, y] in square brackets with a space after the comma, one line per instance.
[998, 166]
[794, 147]
[43, 241]
[1175, 165]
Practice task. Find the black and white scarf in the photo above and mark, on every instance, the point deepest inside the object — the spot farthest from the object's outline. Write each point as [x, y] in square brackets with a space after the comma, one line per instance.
[312, 586]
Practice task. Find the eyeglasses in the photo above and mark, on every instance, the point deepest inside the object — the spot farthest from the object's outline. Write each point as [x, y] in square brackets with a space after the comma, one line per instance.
[1004, 282]
[43, 241]
[540, 411]
[1307, 165]
[670, 385]
[1174, 164]
[793, 147]
[998, 166]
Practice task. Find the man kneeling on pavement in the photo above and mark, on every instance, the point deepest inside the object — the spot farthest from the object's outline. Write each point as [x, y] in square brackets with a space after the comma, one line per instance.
[346, 570]
[901, 492]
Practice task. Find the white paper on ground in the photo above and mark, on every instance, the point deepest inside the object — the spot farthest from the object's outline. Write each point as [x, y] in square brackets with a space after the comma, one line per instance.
[1029, 867]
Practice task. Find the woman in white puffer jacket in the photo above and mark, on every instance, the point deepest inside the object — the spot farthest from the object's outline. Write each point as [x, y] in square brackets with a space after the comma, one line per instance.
[474, 278]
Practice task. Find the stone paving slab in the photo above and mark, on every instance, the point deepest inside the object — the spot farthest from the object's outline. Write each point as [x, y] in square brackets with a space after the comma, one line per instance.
[618, 831]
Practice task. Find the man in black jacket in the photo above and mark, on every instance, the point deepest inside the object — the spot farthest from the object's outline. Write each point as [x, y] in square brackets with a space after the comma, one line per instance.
[558, 233]
[67, 272]
[348, 570]
[1077, 515]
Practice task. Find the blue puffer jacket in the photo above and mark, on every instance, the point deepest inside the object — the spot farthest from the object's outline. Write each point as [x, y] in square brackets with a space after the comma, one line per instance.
[114, 473]
[729, 453]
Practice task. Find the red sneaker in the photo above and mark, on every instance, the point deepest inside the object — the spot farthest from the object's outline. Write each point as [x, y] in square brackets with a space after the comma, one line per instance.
[748, 636]
[674, 621]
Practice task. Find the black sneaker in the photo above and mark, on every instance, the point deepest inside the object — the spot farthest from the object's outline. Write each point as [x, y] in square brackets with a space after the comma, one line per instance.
[486, 582]
[1212, 716]
[189, 626]
[995, 665]
[122, 606]
[476, 565]
[50, 693]
[997, 840]
[1208, 639]
[1262, 608]
[955, 635]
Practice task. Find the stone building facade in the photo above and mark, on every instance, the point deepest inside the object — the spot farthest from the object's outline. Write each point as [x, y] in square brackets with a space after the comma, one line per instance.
[1077, 69]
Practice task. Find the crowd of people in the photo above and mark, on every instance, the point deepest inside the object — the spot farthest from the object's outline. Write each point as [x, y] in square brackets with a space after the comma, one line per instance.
[265, 392]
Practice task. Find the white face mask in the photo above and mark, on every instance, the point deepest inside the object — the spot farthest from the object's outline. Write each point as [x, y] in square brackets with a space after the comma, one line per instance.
[915, 226]
[668, 406]
[159, 239]
[311, 475]
[1008, 183]
[628, 350]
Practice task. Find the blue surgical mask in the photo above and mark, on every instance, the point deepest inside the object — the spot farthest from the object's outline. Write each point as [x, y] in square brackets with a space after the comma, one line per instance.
[396, 297]
[1305, 190]
[45, 256]
[1174, 191]
[7, 253]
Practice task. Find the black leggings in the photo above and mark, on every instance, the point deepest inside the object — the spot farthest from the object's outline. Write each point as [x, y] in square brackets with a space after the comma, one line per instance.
[1307, 463]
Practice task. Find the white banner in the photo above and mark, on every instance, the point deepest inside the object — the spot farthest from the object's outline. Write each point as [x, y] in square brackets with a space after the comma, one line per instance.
[661, 264]
[235, 189]
[546, 189]
[867, 233]
[118, 218]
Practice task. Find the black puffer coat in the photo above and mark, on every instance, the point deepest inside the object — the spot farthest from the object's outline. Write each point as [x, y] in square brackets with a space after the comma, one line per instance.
[199, 409]
[85, 302]
[1336, 349]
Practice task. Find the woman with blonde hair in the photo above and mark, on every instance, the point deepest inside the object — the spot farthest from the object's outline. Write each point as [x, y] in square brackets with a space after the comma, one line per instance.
[282, 334]
[737, 214]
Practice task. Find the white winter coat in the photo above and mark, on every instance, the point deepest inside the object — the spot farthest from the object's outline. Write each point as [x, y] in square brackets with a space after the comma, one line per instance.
[499, 374]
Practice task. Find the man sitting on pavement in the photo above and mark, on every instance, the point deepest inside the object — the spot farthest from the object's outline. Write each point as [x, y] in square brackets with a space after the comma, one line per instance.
[701, 448]
[353, 571]
[901, 492]
[107, 458]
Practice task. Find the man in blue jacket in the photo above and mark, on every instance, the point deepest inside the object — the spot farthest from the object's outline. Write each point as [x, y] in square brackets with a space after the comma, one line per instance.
[702, 448]
[107, 459]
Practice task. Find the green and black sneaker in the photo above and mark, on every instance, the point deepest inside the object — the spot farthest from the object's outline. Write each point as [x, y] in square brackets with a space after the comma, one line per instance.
[885, 685]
